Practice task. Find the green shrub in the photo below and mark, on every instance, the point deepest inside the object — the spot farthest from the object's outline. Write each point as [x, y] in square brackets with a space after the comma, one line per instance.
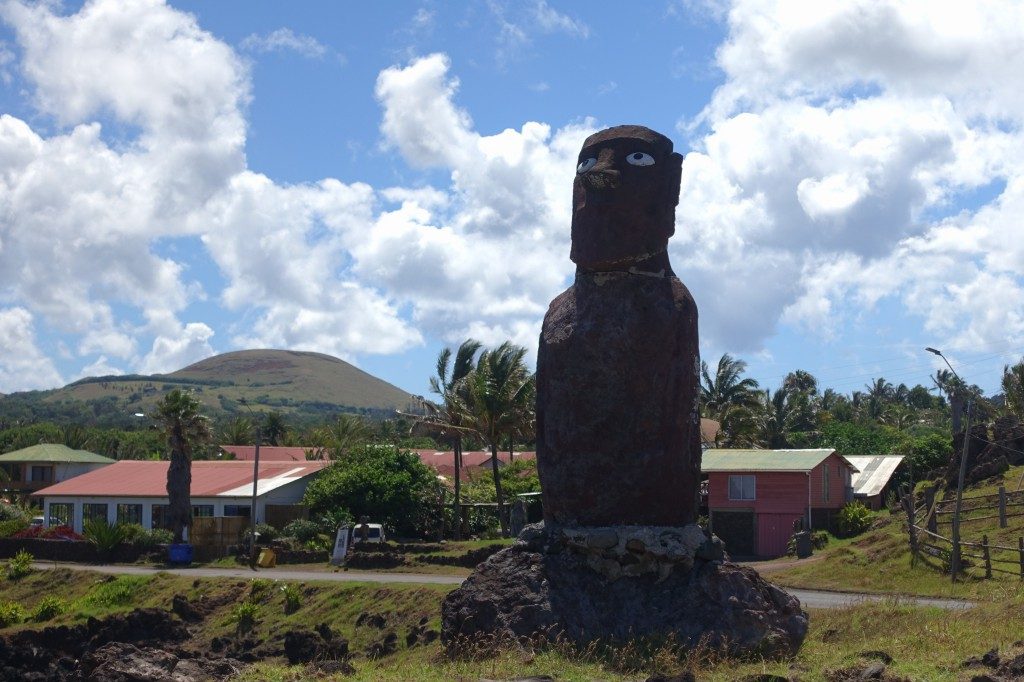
[49, 607]
[854, 518]
[12, 613]
[244, 615]
[302, 530]
[12, 526]
[13, 512]
[267, 533]
[134, 534]
[259, 588]
[292, 597]
[20, 565]
[104, 536]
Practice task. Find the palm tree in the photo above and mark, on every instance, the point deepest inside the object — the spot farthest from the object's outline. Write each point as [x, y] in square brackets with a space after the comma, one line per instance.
[447, 419]
[801, 381]
[275, 428]
[1013, 388]
[728, 398]
[75, 437]
[346, 433]
[499, 391]
[186, 430]
[238, 431]
[879, 393]
[776, 418]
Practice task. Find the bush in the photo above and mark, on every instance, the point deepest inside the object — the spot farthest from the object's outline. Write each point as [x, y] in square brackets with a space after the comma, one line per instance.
[301, 530]
[244, 615]
[259, 588]
[12, 613]
[134, 534]
[12, 512]
[49, 607]
[51, 533]
[854, 518]
[11, 527]
[382, 483]
[292, 597]
[19, 565]
[103, 536]
[267, 533]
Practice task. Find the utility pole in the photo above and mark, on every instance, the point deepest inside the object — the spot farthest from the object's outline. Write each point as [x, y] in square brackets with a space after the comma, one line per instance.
[255, 486]
[954, 555]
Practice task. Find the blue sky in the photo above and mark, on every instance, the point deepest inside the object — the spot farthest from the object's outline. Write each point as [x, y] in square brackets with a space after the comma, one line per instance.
[378, 180]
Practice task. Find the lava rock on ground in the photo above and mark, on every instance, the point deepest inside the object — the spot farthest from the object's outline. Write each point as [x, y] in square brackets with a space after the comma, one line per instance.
[541, 589]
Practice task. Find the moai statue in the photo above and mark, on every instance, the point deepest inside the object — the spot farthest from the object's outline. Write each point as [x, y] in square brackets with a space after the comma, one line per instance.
[618, 429]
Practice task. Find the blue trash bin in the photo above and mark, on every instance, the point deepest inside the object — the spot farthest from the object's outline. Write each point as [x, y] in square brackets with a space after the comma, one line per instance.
[179, 554]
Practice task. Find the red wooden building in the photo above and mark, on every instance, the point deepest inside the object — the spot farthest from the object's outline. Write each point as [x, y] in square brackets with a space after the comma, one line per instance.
[755, 496]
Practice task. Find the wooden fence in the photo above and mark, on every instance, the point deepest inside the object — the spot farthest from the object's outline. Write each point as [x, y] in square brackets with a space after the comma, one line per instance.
[925, 538]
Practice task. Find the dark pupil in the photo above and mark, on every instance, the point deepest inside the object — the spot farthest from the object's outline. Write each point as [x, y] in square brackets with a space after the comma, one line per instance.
[638, 156]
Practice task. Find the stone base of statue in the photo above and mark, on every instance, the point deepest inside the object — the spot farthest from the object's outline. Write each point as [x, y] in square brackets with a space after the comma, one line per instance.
[618, 583]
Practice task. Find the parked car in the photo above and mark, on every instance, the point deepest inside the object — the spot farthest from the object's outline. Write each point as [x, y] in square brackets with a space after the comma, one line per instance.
[368, 532]
[41, 521]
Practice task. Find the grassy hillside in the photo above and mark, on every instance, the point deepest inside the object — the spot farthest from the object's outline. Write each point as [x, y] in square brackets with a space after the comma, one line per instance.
[298, 383]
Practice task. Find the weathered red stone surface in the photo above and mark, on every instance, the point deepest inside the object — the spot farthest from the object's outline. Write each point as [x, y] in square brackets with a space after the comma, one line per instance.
[618, 430]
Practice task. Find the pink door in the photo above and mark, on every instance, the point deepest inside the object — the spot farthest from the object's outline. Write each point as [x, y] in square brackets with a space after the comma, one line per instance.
[773, 533]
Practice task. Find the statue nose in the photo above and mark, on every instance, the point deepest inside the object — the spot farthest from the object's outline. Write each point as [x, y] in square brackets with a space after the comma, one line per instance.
[603, 175]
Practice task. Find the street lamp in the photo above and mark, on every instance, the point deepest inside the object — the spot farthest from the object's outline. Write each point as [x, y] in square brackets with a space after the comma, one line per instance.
[255, 484]
[954, 555]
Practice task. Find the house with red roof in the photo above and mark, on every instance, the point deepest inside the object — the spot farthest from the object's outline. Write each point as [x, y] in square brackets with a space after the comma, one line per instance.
[268, 453]
[132, 491]
[473, 461]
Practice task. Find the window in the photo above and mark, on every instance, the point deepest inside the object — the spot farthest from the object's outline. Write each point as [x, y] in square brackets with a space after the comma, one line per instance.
[161, 516]
[41, 474]
[202, 511]
[13, 471]
[742, 487]
[61, 514]
[129, 513]
[824, 482]
[236, 510]
[94, 511]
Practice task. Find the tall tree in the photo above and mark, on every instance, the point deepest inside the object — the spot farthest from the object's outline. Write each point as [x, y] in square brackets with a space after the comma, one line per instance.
[802, 381]
[729, 398]
[499, 390]
[777, 415]
[275, 428]
[447, 419]
[1013, 388]
[238, 431]
[186, 430]
[336, 440]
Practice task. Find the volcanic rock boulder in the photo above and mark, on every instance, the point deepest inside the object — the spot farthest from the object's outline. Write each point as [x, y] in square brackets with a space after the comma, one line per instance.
[550, 585]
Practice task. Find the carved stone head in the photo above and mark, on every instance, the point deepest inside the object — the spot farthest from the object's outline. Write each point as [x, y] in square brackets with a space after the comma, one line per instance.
[624, 197]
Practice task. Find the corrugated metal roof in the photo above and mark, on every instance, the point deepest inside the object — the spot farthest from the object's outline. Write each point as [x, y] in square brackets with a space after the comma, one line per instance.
[209, 479]
[875, 472]
[721, 459]
[268, 453]
[53, 452]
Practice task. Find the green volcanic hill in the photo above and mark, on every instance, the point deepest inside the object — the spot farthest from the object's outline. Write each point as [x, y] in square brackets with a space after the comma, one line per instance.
[306, 385]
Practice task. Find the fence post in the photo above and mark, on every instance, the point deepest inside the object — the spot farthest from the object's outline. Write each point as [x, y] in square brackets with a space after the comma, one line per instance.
[929, 503]
[988, 557]
[1020, 549]
[908, 507]
[1002, 506]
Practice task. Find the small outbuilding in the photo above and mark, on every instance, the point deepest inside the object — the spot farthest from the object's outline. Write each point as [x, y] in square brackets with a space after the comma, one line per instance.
[42, 465]
[136, 491]
[874, 478]
[756, 497]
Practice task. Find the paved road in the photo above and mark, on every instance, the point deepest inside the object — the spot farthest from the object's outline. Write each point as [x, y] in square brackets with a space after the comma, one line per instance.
[817, 599]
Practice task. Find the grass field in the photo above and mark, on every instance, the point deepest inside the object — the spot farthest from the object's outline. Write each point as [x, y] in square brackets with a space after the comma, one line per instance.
[925, 643]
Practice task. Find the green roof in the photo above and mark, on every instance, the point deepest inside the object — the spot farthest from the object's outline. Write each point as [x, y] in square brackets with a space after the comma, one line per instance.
[51, 452]
[717, 459]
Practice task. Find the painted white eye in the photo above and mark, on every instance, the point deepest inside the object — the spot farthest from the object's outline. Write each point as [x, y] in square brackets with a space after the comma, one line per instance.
[640, 159]
[586, 164]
